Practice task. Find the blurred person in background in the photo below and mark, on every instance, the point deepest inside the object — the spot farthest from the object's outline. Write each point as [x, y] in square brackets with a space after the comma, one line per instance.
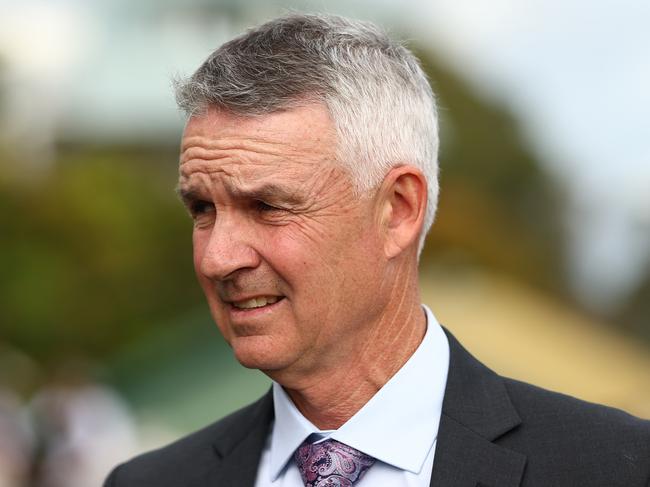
[81, 429]
[309, 167]
[16, 441]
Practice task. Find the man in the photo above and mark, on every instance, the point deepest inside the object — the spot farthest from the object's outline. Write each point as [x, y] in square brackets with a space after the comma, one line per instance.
[308, 165]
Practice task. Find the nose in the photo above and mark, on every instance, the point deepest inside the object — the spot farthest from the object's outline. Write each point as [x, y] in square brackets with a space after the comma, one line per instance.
[224, 250]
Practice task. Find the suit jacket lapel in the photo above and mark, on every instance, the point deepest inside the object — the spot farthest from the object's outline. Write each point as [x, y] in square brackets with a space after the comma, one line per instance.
[240, 447]
[476, 410]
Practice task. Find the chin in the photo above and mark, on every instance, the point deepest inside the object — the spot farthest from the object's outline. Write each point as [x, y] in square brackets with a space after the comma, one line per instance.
[255, 352]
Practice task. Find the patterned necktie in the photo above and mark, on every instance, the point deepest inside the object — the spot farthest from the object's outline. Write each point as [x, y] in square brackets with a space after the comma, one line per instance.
[331, 464]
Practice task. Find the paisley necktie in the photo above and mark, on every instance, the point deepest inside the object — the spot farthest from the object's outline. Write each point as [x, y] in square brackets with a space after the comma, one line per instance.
[331, 463]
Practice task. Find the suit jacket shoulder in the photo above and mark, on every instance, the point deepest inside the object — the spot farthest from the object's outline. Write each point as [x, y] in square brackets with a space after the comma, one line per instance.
[568, 441]
[197, 459]
[501, 432]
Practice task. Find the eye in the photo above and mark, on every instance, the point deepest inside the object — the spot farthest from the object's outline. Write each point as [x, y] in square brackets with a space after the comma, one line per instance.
[264, 207]
[200, 207]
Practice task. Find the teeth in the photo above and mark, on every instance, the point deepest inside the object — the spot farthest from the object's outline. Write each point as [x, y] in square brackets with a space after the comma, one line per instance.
[256, 302]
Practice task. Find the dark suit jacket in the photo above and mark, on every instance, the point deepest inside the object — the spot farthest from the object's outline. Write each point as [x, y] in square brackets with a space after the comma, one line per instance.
[494, 432]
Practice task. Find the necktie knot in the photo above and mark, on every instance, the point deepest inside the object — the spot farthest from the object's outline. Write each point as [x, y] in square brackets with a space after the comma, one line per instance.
[331, 463]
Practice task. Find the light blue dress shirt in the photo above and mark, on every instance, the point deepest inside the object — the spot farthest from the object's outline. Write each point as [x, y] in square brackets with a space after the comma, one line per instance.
[398, 426]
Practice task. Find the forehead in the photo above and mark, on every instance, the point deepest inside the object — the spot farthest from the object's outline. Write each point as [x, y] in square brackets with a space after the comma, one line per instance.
[284, 143]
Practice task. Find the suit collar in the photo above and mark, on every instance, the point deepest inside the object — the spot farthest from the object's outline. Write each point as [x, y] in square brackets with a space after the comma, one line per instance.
[476, 411]
[475, 396]
[239, 446]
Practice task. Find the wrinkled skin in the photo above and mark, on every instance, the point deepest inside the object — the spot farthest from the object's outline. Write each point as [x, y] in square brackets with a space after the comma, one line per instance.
[276, 217]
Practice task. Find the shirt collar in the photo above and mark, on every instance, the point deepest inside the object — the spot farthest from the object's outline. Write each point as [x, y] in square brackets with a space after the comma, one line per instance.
[399, 424]
[290, 429]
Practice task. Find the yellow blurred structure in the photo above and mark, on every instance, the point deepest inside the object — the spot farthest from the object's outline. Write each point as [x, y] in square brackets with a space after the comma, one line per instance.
[522, 333]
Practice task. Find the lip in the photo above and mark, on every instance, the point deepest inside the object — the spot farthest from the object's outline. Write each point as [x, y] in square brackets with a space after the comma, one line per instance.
[245, 313]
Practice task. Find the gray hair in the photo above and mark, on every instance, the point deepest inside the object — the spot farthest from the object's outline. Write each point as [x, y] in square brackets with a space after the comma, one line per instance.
[377, 94]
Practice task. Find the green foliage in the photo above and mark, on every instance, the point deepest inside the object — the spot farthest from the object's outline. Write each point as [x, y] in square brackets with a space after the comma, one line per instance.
[93, 254]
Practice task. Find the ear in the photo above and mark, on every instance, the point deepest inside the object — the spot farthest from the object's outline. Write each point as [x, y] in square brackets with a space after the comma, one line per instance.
[403, 201]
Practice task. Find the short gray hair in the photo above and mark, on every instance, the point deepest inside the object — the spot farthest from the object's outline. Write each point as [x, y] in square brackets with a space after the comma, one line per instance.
[378, 96]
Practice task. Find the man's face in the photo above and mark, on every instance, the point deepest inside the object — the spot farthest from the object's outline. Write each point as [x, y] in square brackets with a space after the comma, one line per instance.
[290, 260]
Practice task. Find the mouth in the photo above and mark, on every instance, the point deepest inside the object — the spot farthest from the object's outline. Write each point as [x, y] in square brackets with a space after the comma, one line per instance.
[256, 302]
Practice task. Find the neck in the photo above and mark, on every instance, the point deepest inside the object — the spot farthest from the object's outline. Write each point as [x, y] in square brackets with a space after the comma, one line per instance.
[361, 373]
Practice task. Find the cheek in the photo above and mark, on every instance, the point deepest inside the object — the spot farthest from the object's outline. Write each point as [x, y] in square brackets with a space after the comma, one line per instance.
[313, 258]
[286, 250]
[313, 266]
[199, 245]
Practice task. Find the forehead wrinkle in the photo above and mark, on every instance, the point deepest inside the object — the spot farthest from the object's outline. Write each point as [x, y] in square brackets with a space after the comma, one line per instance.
[247, 162]
[249, 170]
[242, 162]
[202, 147]
[234, 183]
[199, 169]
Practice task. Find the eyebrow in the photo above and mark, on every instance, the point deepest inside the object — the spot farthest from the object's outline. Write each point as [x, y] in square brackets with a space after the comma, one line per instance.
[267, 192]
[187, 195]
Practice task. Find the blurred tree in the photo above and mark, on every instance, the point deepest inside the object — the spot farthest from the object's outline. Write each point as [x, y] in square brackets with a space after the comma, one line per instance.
[93, 254]
[498, 208]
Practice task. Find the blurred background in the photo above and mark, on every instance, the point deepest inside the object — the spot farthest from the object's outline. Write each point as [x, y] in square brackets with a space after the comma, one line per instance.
[542, 238]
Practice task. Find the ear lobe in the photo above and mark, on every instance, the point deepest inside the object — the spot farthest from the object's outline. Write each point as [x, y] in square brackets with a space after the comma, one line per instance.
[403, 207]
